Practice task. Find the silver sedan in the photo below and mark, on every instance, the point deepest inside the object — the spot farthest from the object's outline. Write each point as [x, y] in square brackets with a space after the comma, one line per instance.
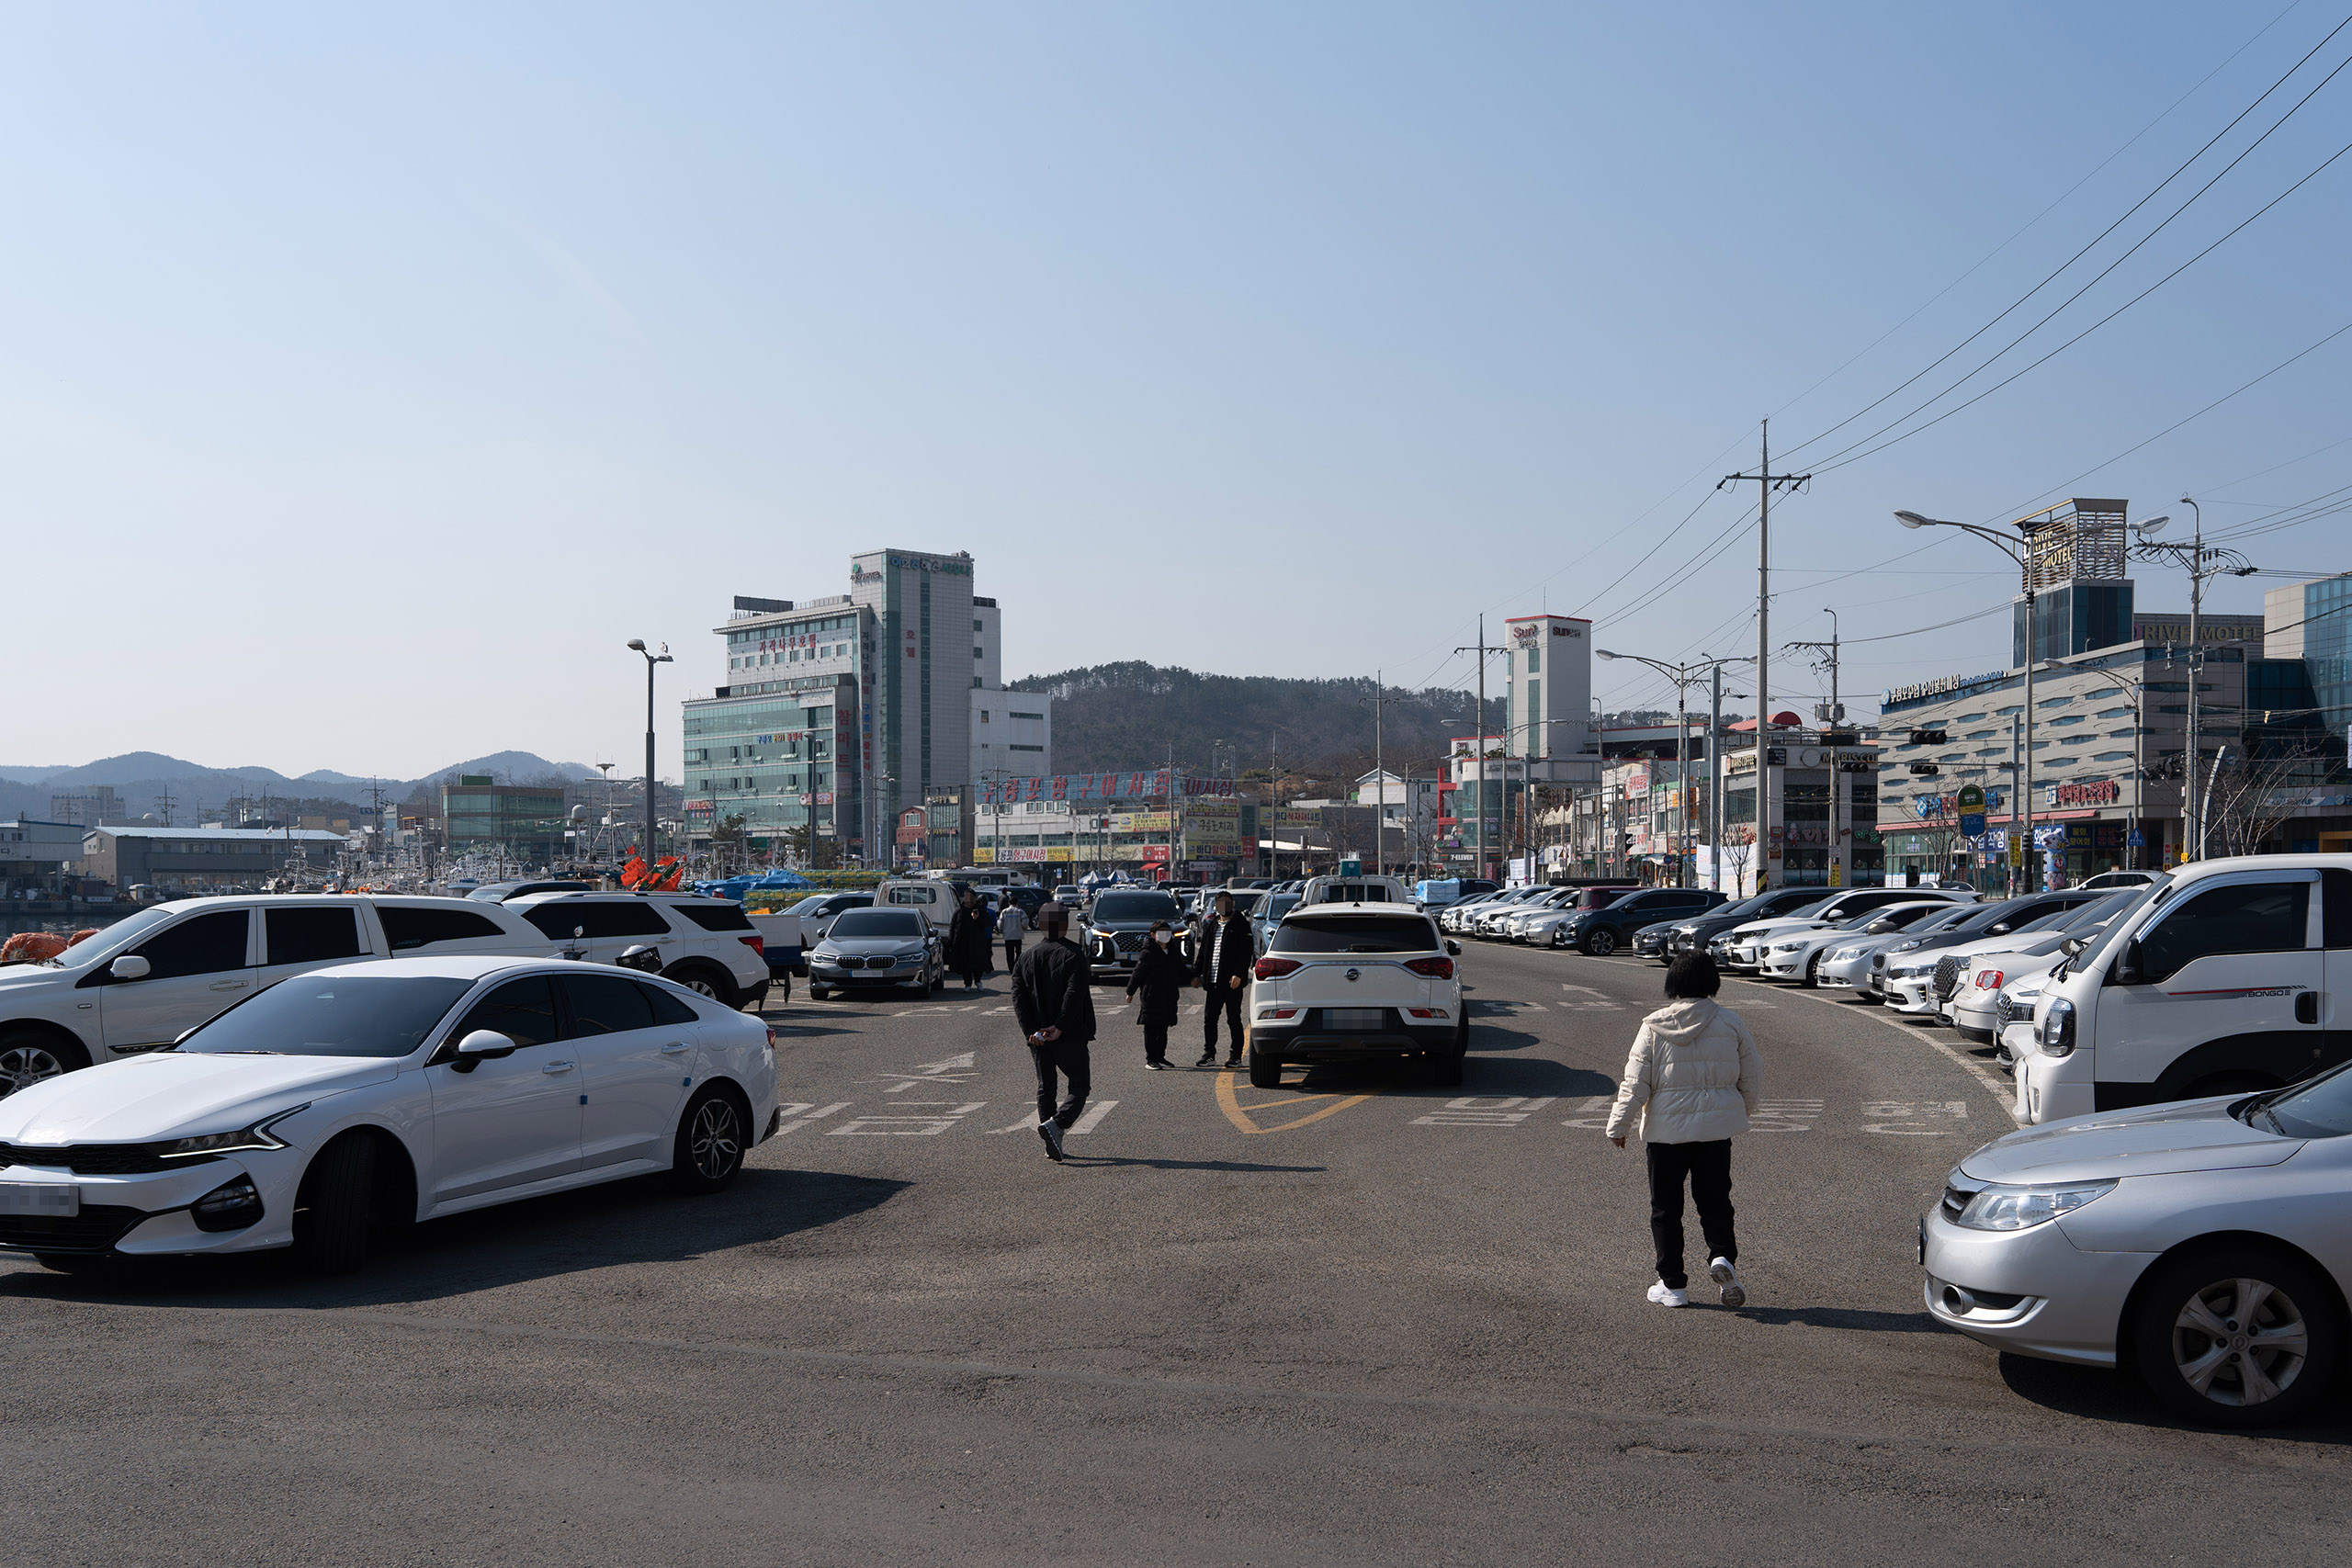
[1847, 964]
[2202, 1243]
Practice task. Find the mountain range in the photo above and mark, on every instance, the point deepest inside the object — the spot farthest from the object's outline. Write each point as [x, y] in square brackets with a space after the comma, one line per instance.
[140, 778]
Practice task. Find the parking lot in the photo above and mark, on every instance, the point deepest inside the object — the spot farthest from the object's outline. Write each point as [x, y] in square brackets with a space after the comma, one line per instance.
[1358, 1318]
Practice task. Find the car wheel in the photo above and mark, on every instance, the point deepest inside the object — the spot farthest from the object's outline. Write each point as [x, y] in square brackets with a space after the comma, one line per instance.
[818, 993]
[704, 980]
[26, 1056]
[1265, 1071]
[2237, 1336]
[711, 1139]
[1601, 943]
[1812, 981]
[334, 1206]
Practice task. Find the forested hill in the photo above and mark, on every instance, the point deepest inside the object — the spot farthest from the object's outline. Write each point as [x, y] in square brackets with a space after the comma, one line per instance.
[1130, 716]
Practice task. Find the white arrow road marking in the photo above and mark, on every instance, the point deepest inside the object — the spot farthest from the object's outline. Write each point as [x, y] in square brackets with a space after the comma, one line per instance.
[955, 1069]
[1093, 1117]
[813, 1116]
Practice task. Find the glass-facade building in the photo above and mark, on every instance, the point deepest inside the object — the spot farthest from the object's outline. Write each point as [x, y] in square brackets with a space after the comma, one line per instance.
[524, 822]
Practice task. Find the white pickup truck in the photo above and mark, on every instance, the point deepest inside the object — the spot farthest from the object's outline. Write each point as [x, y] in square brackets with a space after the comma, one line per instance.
[149, 979]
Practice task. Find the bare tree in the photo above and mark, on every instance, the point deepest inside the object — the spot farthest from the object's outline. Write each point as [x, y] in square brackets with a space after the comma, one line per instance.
[2252, 798]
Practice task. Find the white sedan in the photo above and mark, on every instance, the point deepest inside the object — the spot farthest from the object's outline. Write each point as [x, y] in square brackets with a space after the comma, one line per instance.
[383, 1092]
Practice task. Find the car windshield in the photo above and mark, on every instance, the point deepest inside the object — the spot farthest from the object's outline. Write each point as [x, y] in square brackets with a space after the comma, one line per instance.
[876, 924]
[1277, 904]
[1861, 917]
[83, 953]
[810, 905]
[2321, 1108]
[331, 1015]
[2083, 917]
[1341, 933]
[1944, 920]
[1134, 908]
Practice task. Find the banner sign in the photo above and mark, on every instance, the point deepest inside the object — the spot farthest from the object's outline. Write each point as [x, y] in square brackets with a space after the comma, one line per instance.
[1152, 785]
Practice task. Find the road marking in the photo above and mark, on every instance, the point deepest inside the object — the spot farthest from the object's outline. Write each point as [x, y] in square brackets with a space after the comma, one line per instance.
[1240, 1114]
[2004, 1093]
[1784, 1116]
[1911, 1119]
[1592, 1112]
[812, 1116]
[1484, 1110]
[1093, 1117]
[954, 1069]
[906, 1126]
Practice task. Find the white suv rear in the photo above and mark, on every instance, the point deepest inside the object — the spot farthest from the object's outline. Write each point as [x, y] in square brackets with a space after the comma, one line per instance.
[1354, 982]
[705, 944]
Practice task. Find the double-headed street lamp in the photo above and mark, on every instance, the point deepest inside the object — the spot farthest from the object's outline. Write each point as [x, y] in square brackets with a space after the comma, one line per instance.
[2014, 549]
[636, 645]
[1684, 677]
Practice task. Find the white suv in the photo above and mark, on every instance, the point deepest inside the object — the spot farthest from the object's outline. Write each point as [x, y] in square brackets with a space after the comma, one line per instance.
[145, 981]
[1355, 890]
[705, 944]
[1350, 982]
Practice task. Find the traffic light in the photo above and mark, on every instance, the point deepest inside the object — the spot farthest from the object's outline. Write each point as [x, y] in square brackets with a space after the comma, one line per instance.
[1922, 770]
[1928, 738]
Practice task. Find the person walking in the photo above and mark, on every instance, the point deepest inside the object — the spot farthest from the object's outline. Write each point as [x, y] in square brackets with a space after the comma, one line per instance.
[1224, 954]
[1693, 1078]
[967, 939]
[1053, 998]
[1160, 976]
[1010, 927]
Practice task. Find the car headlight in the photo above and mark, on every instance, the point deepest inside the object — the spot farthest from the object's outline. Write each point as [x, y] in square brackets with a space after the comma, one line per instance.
[1845, 954]
[1786, 946]
[2022, 1207]
[1907, 946]
[2055, 1033]
[257, 1136]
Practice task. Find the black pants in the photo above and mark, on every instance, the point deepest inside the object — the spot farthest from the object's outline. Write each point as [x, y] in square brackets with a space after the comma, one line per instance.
[1071, 1058]
[1155, 1043]
[1011, 953]
[1226, 1001]
[1708, 1165]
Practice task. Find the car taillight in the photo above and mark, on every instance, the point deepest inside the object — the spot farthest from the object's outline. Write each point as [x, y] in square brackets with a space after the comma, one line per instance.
[1988, 980]
[1277, 1012]
[1271, 968]
[758, 944]
[1428, 1012]
[771, 1036]
[1435, 968]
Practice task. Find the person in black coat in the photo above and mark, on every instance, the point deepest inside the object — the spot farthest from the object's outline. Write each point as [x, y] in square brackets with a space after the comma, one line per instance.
[1160, 976]
[1053, 996]
[970, 933]
[1222, 963]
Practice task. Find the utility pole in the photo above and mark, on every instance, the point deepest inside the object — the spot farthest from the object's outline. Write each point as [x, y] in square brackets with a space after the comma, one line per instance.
[2201, 564]
[1380, 784]
[1715, 781]
[1767, 481]
[1480, 726]
[1834, 718]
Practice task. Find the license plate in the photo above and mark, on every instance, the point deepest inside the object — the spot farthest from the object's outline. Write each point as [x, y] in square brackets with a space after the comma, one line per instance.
[1355, 1018]
[52, 1201]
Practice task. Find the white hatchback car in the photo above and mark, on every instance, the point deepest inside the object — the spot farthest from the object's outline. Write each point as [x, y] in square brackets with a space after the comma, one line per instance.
[1355, 982]
[382, 1093]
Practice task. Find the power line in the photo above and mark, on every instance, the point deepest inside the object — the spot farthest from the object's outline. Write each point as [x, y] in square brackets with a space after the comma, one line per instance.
[2057, 272]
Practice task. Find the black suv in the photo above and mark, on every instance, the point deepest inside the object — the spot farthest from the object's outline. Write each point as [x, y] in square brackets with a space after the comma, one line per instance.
[1600, 933]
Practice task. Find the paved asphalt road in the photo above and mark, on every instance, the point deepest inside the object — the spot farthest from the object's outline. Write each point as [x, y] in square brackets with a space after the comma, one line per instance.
[1357, 1320]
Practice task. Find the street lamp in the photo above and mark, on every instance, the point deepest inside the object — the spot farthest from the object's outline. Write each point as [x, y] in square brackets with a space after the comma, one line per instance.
[1684, 676]
[636, 645]
[2201, 564]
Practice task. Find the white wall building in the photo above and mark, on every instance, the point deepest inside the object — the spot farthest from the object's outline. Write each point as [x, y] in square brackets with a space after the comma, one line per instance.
[1013, 733]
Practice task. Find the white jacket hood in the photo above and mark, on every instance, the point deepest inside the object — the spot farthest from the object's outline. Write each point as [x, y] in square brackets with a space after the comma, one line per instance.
[1692, 1077]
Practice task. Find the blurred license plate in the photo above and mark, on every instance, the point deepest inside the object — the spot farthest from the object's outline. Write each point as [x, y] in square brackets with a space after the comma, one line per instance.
[1355, 1018]
[54, 1202]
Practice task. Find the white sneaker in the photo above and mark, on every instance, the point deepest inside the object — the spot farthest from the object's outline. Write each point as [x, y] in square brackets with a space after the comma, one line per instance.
[1667, 1295]
[1724, 1274]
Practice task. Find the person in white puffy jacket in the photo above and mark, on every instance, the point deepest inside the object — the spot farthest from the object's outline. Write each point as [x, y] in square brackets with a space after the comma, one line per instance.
[1693, 1078]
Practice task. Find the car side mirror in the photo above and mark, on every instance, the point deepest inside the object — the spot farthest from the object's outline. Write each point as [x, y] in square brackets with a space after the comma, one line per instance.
[130, 966]
[2072, 946]
[1999, 927]
[479, 1046]
[1454, 948]
[644, 958]
[2126, 969]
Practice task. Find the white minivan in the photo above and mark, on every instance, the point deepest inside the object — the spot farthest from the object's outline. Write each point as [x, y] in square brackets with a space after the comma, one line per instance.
[2217, 979]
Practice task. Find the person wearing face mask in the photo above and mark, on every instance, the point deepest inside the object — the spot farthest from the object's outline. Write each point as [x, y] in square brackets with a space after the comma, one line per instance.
[1160, 973]
[1222, 966]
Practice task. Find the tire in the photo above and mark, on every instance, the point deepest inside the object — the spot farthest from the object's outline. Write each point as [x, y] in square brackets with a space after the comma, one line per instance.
[2189, 1304]
[1265, 1071]
[712, 1138]
[1812, 981]
[1599, 943]
[29, 1056]
[335, 1206]
[818, 993]
[708, 980]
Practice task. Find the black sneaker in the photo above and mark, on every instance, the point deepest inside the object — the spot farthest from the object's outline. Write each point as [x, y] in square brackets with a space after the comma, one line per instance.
[1209, 1059]
[1051, 1131]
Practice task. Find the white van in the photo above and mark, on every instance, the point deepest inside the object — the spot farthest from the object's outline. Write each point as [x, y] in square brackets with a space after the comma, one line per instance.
[932, 896]
[2221, 978]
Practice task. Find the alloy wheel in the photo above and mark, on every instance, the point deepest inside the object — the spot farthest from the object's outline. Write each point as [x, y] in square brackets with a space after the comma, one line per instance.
[2239, 1342]
[716, 1143]
[702, 987]
[23, 1064]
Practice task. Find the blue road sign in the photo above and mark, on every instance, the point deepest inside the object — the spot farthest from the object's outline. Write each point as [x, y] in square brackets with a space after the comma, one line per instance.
[2137, 839]
[1972, 823]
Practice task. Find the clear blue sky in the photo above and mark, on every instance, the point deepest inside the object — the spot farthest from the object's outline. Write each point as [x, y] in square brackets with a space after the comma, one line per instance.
[367, 379]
